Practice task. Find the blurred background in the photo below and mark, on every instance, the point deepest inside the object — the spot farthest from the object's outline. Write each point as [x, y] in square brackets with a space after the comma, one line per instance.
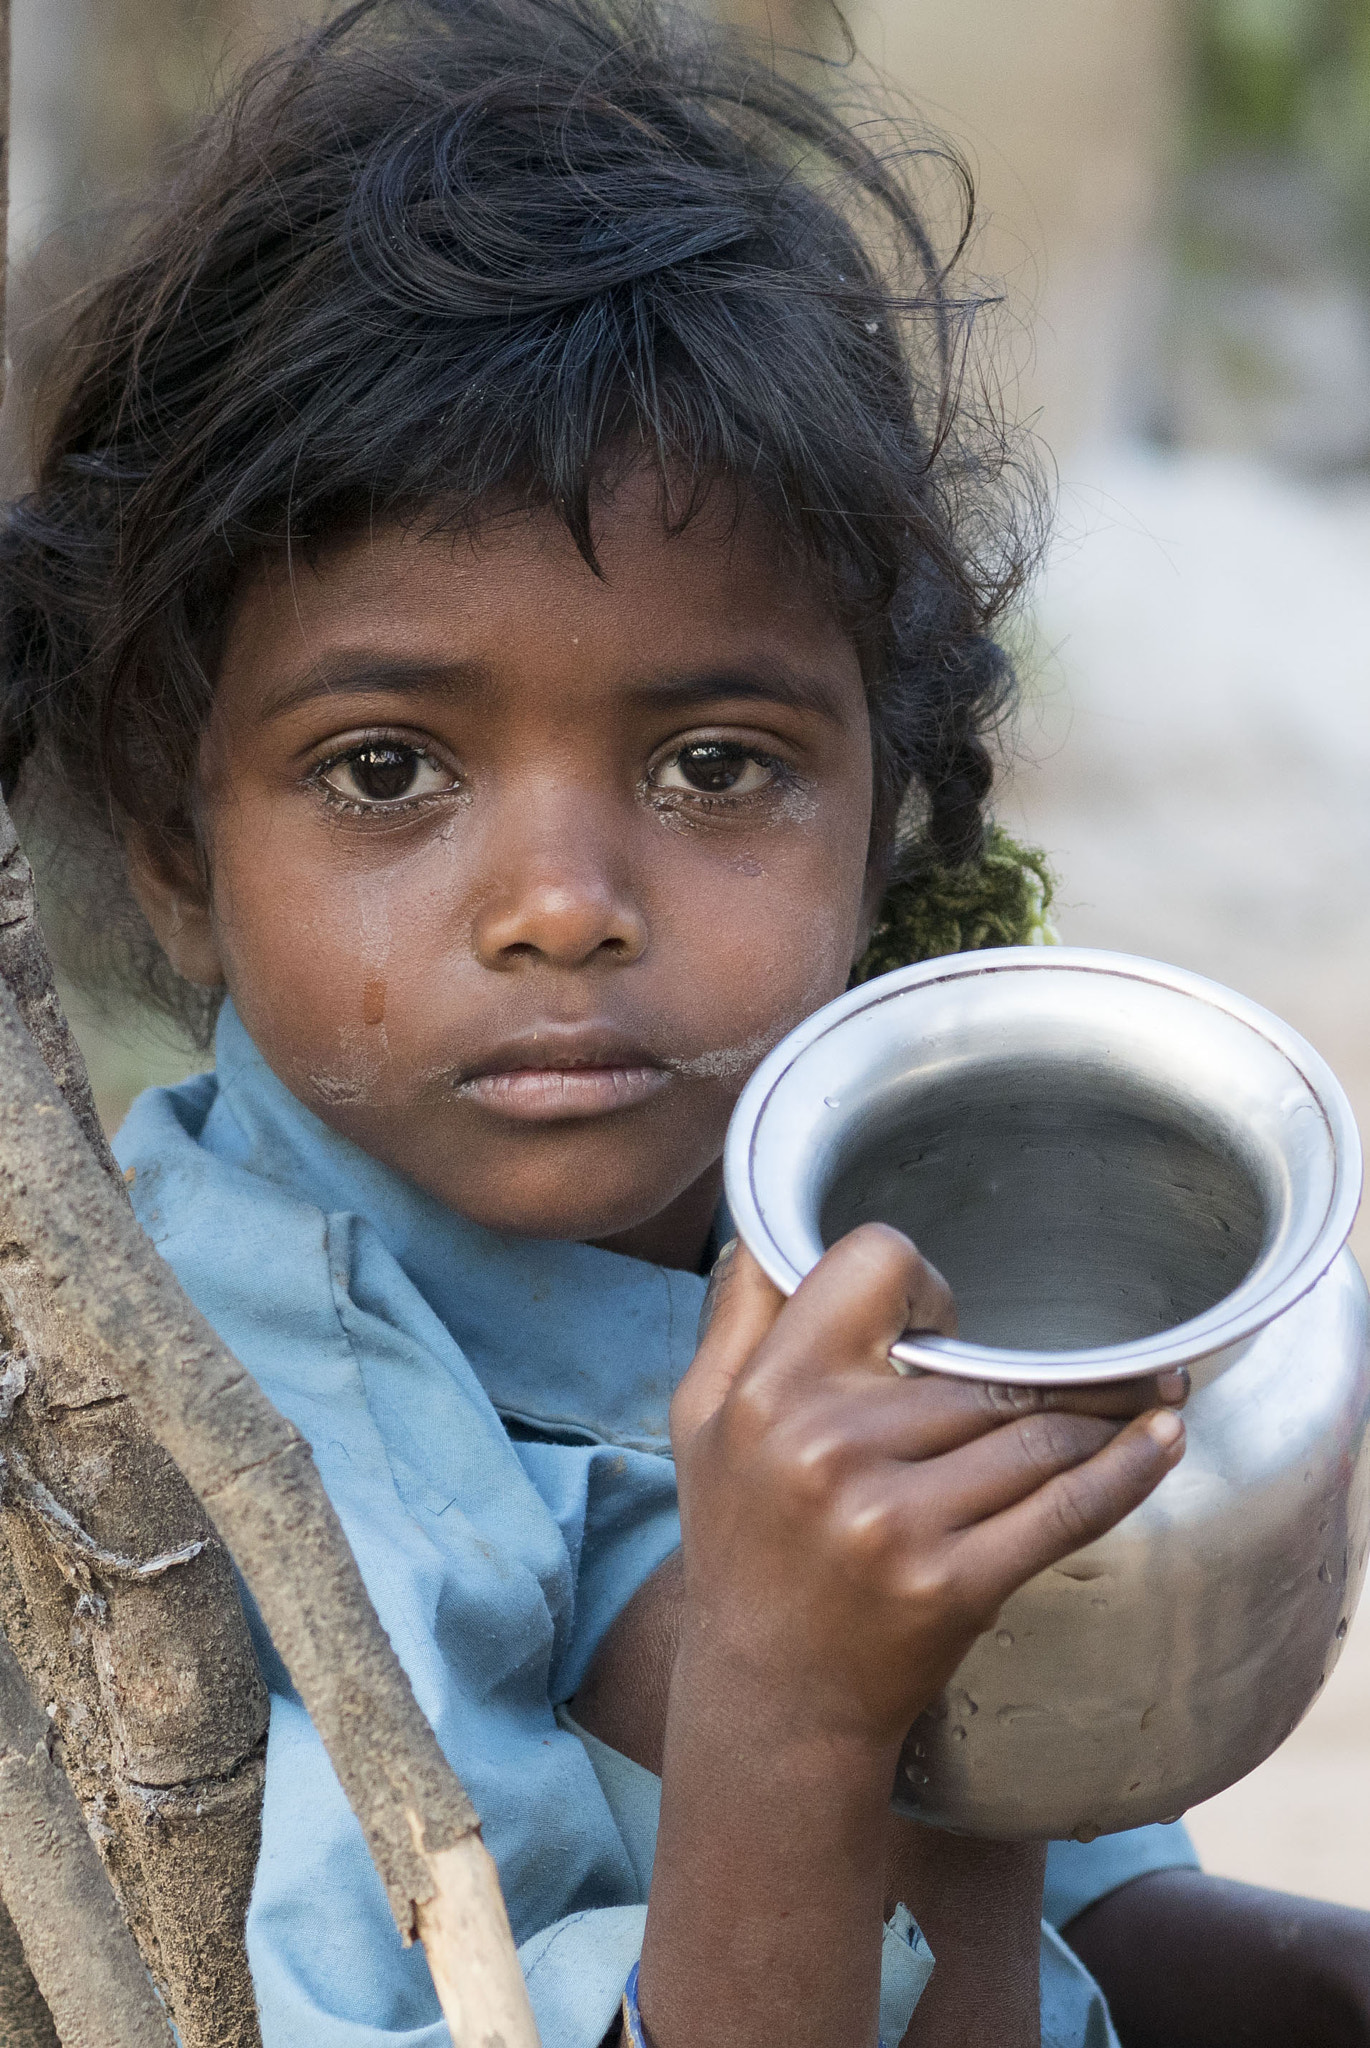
[1178, 195]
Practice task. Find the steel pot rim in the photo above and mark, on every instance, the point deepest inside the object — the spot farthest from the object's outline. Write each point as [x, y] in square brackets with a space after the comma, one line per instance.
[1252, 1304]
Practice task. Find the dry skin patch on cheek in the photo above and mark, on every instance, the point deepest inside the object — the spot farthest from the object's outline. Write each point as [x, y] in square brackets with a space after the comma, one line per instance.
[727, 1062]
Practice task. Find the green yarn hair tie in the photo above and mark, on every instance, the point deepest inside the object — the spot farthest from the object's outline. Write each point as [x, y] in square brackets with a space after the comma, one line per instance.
[1000, 900]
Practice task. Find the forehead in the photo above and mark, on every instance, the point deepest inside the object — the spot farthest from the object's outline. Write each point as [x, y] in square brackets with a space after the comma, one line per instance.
[514, 593]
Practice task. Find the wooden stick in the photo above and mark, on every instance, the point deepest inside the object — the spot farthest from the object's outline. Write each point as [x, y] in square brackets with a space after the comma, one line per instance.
[76, 1941]
[255, 1475]
[28, 970]
[25, 2021]
[157, 1701]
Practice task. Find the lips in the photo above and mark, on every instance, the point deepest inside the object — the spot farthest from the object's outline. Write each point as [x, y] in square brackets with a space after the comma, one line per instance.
[556, 1074]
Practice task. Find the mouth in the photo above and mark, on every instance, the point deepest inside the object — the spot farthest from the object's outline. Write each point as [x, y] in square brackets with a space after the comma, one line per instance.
[556, 1075]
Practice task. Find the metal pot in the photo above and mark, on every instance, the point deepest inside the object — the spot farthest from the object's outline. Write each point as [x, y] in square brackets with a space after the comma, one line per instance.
[1119, 1167]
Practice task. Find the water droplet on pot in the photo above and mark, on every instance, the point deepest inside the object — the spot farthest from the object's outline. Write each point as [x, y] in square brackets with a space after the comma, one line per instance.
[831, 1102]
[1325, 1573]
[1341, 1629]
[1007, 1716]
[1087, 1832]
[958, 1733]
[1004, 1638]
[1149, 1716]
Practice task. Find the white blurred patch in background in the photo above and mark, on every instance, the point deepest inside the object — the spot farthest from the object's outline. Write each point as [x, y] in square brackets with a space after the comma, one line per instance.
[1196, 754]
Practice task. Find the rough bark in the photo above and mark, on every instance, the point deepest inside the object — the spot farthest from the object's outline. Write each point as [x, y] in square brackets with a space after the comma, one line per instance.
[119, 1598]
[255, 1476]
[25, 2021]
[28, 970]
[75, 1937]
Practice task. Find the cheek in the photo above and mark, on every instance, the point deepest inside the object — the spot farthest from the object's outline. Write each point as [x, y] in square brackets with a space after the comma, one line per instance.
[764, 942]
[310, 951]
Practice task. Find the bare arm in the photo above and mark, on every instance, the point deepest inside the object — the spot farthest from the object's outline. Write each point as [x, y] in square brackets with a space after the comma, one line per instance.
[1243, 1967]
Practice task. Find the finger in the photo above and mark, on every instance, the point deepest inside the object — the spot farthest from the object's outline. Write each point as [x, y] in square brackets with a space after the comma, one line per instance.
[996, 1556]
[982, 1478]
[1115, 1398]
[741, 1307]
[718, 1280]
[870, 1416]
[862, 1418]
[860, 1297]
[965, 1485]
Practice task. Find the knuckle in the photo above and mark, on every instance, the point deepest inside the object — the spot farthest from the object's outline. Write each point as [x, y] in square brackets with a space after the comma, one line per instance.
[1006, 1403]
[888, 1259]
[1074, 1509]
[806, 1470]
[752, 1409]
[936, 1589]
[938, 1296]
[928, 1581]
[1048, 1439]
[867, 1535]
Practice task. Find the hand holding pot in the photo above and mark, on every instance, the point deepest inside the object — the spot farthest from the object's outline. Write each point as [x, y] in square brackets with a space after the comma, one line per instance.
[848, 1532]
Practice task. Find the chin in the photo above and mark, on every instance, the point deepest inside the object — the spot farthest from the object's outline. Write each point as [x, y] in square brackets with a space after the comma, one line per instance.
[581, 1209]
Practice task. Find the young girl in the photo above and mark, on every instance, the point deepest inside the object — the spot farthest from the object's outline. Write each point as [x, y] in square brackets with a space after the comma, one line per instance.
[509, 588]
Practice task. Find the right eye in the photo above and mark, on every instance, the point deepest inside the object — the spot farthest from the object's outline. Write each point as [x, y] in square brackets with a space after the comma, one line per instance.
[382, 772]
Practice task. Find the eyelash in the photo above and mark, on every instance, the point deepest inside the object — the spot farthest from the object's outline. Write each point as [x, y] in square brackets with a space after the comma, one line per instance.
[377, 808]
[781, 776]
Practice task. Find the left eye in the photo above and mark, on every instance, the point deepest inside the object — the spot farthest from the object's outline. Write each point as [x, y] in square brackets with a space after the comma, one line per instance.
[714, 768]
[384, 772]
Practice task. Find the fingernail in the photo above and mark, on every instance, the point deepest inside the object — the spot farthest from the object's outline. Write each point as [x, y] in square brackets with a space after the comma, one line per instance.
[1165, 1429]
[1173, 1386]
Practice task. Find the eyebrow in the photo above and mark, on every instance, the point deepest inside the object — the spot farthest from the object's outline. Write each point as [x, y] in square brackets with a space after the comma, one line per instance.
[347, 675]
[761, 682]
[755, 681]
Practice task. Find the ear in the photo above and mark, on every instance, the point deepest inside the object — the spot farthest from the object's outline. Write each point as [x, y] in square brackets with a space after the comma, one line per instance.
[170, 890]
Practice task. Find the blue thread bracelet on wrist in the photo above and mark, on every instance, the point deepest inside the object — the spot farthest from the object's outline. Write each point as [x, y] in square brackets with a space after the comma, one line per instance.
[634, 2033]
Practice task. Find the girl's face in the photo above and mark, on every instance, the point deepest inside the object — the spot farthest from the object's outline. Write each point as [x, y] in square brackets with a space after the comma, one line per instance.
[518, 871]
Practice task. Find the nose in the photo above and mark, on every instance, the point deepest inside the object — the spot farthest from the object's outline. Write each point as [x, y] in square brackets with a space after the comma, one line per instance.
[561, 898]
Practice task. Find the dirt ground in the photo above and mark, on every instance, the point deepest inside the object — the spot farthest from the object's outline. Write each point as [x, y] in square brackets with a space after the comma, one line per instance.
[1196, 754]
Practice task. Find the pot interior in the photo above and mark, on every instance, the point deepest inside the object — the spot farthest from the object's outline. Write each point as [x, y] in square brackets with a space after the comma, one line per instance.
[1067, 1207]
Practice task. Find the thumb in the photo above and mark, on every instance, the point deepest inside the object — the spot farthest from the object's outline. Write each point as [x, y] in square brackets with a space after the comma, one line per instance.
[739, 1309]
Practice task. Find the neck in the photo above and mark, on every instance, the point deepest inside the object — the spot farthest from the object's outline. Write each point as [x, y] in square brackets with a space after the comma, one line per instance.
[677, 1235]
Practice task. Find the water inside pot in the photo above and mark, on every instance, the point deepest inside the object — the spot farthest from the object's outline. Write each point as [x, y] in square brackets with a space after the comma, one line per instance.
[1067, 1208]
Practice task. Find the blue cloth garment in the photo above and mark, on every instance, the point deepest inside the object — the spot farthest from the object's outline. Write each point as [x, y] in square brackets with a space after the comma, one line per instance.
[488, 1415]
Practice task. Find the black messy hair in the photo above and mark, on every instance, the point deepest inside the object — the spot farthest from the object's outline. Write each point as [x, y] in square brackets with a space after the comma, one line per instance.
[444, 254]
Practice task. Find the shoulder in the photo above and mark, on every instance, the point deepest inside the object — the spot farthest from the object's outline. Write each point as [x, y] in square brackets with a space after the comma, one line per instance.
[253, 1255]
